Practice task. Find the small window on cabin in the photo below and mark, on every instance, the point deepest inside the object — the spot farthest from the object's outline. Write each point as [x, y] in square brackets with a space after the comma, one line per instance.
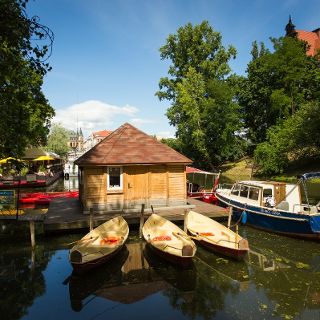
[114, 180]
[235, 190]
[267, 193]
[254, 193]
[244, 191]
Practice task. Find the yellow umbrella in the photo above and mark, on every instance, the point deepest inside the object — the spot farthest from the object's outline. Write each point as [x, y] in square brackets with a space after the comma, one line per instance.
[8, 159]
[43, 158]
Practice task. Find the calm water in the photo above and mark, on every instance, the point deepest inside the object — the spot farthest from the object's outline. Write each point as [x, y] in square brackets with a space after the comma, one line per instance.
[280, 279]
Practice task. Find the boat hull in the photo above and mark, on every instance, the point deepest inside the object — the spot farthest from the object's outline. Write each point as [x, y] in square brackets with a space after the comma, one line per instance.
[277, 221]
[80, 268]
[236, 254]
[168, 241]
[182, 262]
[99, 245]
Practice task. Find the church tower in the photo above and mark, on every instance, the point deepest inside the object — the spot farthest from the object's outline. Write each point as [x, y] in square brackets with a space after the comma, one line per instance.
[290, 29]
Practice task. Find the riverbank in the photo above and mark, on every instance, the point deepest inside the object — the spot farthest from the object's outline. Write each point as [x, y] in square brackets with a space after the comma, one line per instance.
[242, 170]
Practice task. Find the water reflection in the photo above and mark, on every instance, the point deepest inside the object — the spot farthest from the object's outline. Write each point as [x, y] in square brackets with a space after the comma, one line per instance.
[21, 278]
[280, 279]
[132, 276]
[274, 281]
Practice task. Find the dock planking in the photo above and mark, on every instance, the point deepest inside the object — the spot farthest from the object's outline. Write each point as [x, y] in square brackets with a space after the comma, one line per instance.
[66, 214]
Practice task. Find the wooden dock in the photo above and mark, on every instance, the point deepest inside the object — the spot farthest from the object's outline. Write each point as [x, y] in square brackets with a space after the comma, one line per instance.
[66, 214]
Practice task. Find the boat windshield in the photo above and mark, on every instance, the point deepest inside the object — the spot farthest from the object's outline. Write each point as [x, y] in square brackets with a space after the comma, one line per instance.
[235, 190]
[245, 191]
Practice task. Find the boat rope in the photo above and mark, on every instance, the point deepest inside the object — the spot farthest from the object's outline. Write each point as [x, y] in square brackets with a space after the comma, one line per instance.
[238, 221]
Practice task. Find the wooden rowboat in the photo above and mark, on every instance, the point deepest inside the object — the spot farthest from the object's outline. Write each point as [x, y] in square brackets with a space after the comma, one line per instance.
[215, 236]
[168, 240]
[99, 245]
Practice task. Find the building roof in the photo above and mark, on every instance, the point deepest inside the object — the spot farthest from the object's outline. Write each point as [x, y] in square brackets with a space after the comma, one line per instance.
[312, 38]
[102, 133]
[128, 145]
[33, 153]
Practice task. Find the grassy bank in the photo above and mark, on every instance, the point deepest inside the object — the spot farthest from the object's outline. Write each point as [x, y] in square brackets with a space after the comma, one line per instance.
[242, 170]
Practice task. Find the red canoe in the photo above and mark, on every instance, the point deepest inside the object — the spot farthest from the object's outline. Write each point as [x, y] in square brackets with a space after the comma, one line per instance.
[44, 198]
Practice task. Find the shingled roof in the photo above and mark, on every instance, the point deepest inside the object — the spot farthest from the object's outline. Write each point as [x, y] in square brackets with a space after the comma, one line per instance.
[128, 145]
[312, 38]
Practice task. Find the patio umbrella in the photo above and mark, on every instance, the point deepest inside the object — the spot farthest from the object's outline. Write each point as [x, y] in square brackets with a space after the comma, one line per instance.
[9, 159]
[43, 158]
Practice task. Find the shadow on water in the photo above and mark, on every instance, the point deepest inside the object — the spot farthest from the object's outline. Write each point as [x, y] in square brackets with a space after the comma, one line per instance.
[279, 279]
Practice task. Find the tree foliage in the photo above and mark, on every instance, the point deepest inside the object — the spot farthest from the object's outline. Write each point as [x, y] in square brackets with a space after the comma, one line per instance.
[58, 140]
[296, 138]
[25, 45]
[277, 84]
[202, 107]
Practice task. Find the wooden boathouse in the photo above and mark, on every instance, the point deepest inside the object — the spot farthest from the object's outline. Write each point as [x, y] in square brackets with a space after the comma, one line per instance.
[130, 168]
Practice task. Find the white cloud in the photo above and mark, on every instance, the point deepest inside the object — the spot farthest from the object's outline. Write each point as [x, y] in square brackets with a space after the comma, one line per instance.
[93, 115]
[139, 122]
[165, 135]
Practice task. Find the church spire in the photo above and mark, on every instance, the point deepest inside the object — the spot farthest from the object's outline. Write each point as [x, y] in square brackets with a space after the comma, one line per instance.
[290, 28]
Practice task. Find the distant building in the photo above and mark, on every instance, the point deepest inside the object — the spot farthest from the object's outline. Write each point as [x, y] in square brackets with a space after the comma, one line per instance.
[95, 138]
[76, 141]
[311, 37]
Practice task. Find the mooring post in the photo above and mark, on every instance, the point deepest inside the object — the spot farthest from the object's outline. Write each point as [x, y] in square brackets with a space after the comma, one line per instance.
[141, 220]
[91, 219]
[185, 220]
[237, 234]
[229, 217]
[32, 234]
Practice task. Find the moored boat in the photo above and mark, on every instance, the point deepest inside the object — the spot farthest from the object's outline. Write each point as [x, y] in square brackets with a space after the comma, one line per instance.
[168, 240]
[99, 245]
[44, 198]
[215, 236]
[274, 206]
[202, 184]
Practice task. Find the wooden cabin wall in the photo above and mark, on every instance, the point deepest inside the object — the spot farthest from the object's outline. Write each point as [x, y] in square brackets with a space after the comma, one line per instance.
[177, 185]
[157, 185]
[94, 187]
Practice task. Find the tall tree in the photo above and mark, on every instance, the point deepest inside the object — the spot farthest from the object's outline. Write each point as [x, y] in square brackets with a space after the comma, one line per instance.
[277, 84]
[58, 140]
[202, 108]
[24, 111]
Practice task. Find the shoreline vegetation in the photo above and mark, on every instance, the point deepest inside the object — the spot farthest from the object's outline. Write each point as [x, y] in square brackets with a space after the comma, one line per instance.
[242, 170]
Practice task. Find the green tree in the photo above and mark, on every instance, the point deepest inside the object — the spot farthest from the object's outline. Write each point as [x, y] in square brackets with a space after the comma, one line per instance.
[298, 137]
[277, 84]
[58, 140]
[202, 107]
[24, 111]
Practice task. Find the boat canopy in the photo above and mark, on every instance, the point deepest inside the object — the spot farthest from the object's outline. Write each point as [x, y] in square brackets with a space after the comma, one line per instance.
[310, 175]
[195, 170]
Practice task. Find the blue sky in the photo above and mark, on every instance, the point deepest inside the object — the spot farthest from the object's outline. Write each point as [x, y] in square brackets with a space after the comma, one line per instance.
[106, 62]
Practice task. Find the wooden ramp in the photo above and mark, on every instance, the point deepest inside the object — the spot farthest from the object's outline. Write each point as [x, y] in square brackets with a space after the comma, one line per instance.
[67, 214]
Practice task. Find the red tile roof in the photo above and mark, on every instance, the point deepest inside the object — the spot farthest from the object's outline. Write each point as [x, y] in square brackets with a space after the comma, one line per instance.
[128, 145]
[102, 133]
[313, 39]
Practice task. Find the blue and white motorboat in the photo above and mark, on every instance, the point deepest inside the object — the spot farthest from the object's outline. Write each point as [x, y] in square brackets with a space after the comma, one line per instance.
[274, 206]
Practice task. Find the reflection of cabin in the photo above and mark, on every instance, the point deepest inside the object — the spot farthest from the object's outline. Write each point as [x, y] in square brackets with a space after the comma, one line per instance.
[129, 168]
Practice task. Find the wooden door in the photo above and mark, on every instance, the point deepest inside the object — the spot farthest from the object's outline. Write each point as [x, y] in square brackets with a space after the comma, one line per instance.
[280, 192]
[136, 185]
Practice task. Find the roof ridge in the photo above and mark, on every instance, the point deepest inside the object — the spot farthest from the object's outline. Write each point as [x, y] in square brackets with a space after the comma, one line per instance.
[120, 130]
[130, 145]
